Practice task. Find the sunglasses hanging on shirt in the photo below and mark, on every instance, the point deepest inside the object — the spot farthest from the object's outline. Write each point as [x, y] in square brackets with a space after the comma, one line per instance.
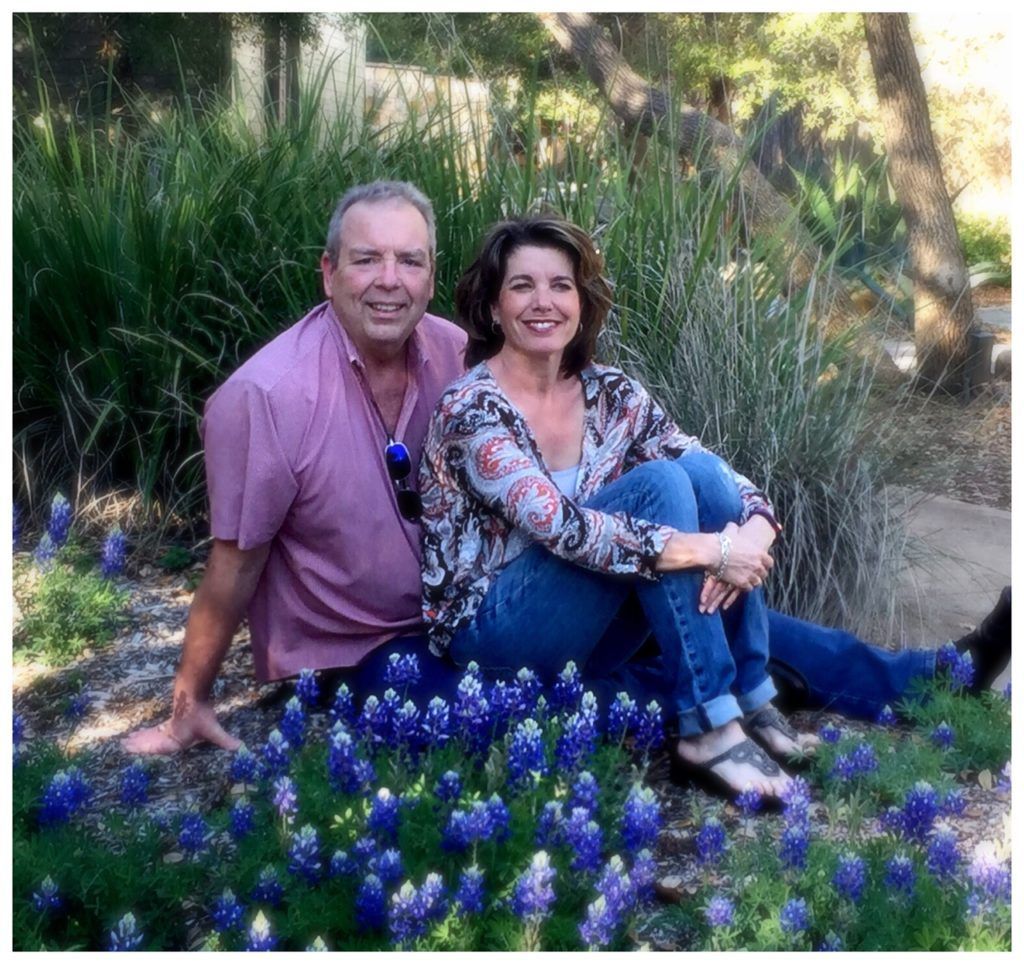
[399, 463]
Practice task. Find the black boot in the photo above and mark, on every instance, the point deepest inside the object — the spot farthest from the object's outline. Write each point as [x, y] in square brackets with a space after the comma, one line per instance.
[989, 644]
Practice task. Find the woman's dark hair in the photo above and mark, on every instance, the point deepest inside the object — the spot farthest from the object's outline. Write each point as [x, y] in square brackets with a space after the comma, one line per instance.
[479, 286]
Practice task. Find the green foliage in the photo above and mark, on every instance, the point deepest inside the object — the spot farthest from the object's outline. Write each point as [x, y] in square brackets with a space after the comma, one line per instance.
[65, 610]
[987, 248]
[175, 559]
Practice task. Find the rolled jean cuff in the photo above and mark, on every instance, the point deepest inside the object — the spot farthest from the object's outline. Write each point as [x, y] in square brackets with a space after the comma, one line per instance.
[708, 716]
[757, 697]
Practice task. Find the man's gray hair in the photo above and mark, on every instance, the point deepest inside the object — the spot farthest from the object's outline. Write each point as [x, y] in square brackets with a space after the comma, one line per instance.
[374, 193]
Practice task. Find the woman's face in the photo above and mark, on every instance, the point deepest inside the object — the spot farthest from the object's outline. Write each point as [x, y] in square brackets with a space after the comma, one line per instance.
[538, 305]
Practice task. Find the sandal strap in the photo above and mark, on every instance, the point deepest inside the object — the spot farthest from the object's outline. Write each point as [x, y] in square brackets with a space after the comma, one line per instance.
[769, 717]
[746, 751]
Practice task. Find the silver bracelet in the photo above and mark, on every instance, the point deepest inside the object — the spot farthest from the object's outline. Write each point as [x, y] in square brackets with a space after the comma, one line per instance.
[725, 544]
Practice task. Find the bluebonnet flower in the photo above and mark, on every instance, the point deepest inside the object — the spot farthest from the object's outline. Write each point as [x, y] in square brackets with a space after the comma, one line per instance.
[643, 874]
[66, 794]
[286, 798]
[749, 801]
[371, 910]
[616, 886]
[383, 816]
[498, 817]
[864, 759]
[433, 898]
[307, 689]
[830, 733]
[226, 912]
[469, 895]
[641, 819]
[194, 834]
[548, 824]
[599, 926]
[402, 670]
[526, 761]
[472, 711]
[390, 704]
[134, 785]
[113, 554]
[18, 731]
[318, 945]
[843, 767]
[886, 716]
[900, 876]
[293, 723]
[533, 893]
[961, 673]
[920, 808]
[890, 820]
[953, 803]
[793, 846]
[508, 702]
[372, 722]
[567, 689]
[1007, 689]
[831, 942]
[437, 725]
[946, 655]
[796, 801]
[943, 856]
[388, 866]
[259, 936]
[77, 706]
[60, 521]
[268, 889]
[719, 911]
[244, 765]
[47, 898]
[622, 716]
[413, 911]
[466, 827]
[449, 787]
[584, 792]
[343, 708]
[347, 771]
[850, 877]
[1004, 783]
[126, 935]
[405, 727]
[45, 552]
[794, 918]
[943, 736]
[710, 841]
[575, 743]
[990, 883]
[304, 855]
[241, 818]
[342, 865]
[15, 526]
[364, 851]
[584, 835]
[276, 755]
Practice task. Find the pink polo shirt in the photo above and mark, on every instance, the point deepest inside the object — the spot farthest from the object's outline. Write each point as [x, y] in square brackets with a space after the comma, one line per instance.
[294, 457]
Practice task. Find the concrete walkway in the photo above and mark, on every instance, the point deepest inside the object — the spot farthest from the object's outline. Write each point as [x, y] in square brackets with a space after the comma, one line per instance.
[958, 561]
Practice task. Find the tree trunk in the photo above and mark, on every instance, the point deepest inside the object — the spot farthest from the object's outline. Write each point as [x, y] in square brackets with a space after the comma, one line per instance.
[699, 138]
[943, 309]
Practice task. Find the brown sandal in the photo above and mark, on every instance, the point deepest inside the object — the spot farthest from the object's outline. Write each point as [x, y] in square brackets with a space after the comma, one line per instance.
[769, 717]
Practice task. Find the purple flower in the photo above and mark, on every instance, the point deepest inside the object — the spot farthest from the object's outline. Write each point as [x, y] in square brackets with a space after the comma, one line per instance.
[599, 926]
[850, 877]
[586, 839]
[548, 824]
[60, 521]
[15, 526]
[18, 731]
[943, 736]
[864, 759]
[413, 911]
[943, 857]
[710, 841]
[276, 755]
[622, 716]
[383, 817]
[134, 785]
[1007, 689]
[244, 765]
[641, 819]
[226, 912]
[920, 808]
[402, 670]
[241, 818]
[293, 723]
[365, 851]
[526, 763]
[45, 552]
[886, 716]
[268, 889]
[498, 817]
[307, 689]
[953, 803]
[533, 893]
[449, 787]
[585, 792]
[567, 690]
[259, 937]
[343, 708]
[347, 771]
[66, 794]
[371, 910]
[961, 673]
[469, 896]
[794, 918]
[899, 875]
[616, 886]
[436, 725]
[1004, 783]
[650, 728]
[405, 727]
[643, 875]
[946, 655]
[508, 704]
[793, 846]
[831, 942]
[390, 705]
[472, 711]
[796, 801]
[194, 834]
[575, 743]
[304, 855]
[388, 866]
[126, 935]
[372, 722]
[286, 799]
[830, 734]
[342, 865]
[990, 883]
[77, 707]
[47, 898]
[113, 554]
[719, 911]
[843, 767]
[749, 801]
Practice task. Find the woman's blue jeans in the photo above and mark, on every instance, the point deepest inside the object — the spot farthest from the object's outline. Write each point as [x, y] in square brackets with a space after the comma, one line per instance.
[542, 611]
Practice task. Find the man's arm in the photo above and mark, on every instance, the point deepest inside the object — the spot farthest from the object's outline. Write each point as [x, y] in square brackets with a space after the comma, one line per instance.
[217, 608]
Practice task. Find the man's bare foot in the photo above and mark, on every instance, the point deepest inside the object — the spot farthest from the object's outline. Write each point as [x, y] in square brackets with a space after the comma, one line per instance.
[775, 733]
[738, 775]
[191, 723]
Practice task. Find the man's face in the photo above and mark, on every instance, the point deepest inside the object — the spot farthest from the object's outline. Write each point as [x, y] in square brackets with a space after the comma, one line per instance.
[384, 278]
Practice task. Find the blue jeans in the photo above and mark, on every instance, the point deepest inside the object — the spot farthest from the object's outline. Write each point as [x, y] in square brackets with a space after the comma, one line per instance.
[542, 611]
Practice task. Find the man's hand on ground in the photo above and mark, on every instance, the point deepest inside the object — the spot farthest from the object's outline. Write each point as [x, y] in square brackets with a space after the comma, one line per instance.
[191, 725]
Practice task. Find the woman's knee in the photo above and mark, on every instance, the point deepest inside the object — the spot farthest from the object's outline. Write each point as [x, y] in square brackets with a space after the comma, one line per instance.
[715, 489]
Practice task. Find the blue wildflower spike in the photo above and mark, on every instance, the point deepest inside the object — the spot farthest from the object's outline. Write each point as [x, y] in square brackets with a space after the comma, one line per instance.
[307, 689]
[59, 525]
[641, 819]
[112, 556]
[719, 912]
[126, 935]
[794, 917]
[259, 936]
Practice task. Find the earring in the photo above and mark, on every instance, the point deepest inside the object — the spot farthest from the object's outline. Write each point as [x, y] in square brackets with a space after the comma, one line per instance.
[495, 326]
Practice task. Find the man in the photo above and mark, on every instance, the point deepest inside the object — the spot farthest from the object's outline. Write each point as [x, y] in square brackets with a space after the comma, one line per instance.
[313, 516]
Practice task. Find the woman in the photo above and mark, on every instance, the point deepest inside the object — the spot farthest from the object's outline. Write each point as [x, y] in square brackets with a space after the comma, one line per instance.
[554, 490]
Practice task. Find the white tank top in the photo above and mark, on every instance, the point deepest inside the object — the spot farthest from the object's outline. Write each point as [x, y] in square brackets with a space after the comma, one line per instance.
[565, 479]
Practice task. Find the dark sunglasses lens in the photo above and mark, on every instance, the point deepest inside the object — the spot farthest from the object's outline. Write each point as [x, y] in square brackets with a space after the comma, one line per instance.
[409, 504]
[399, 464]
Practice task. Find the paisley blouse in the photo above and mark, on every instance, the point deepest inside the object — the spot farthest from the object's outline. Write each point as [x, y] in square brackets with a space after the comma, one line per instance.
[487, 494]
